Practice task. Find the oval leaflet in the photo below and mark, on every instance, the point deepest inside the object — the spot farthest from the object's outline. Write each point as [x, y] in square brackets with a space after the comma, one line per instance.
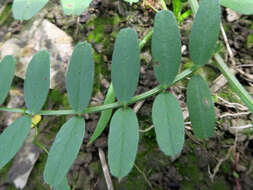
[123, 142]
[168, 123]
[166, 47]
[205, 31]
[240, 6]
[7, 69]
[201, 107]
[64, 150]
[13, 138]
[35, 86]
[125, 64]
[26, 9]
[80, 76]
[75, 7]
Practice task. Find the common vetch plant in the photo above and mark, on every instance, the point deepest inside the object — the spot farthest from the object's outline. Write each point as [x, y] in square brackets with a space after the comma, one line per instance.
[124, 128]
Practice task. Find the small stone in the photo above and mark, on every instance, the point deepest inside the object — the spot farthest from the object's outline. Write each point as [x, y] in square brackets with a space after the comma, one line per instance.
[232, 15]
[38, 35]
[24, 162]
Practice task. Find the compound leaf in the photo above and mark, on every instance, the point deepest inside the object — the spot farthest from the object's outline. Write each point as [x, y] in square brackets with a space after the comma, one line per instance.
[123, 142]
[168, 123]
[75, 7]
[205, 31]
[26, 9]
[80, 76]
[105, 116]
[125, 64]
[166, 47]
[37, 81]
[13, 138]
[240, 6]
[64, 150]
[201, 107]
[7, 69]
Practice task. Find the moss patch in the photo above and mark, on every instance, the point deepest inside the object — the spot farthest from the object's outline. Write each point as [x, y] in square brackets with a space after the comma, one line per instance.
[105, 41]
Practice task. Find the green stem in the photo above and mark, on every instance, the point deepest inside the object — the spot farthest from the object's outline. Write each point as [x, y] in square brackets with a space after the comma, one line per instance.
[100, 108]
[235, 84]
[146, 38]
[36, 142]
[41, 146]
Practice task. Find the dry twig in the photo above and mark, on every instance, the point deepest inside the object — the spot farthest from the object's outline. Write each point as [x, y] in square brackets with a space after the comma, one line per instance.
[138, 106]
[234, 114]
[242, 127]
[217, 167]
[146, 130]
[105, 169]
[221, 81]
[232, 104]
[230, 53]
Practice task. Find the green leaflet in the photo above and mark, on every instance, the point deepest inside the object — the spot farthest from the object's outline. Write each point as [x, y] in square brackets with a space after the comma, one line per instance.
[13, 138]
[132, 1]
[201, 107]
[177, 8]
[7, 69]
[64, 150]
[122, 142]
[125, 64]
[75, 7]
[63, 185]
[105, 116]
[80, 76]
[205, 31]
[240, 6]
[37, 81]
[168, 123]
[26, 9]
[166, 47]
